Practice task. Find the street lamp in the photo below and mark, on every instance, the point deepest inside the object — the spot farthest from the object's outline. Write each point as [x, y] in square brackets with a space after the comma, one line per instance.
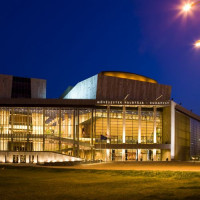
[197, 44]
[186, 9]
[188, 6]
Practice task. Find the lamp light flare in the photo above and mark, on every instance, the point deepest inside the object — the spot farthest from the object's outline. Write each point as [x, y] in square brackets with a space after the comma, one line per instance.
[197, 44]
[187, 7]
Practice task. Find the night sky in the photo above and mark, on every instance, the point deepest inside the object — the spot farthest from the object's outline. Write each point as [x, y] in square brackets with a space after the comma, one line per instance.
[66, 41]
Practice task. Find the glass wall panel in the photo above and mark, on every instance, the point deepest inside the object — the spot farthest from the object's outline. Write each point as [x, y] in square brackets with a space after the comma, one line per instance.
[116, 155]
[100, 120]
[147, 123]
[144, 155]
[116, 126]
[52, 139]
[85, 125]
[67, 123]
[19, 121]
[158, 155]
[131, 126]
[36, 128]
[5, 128]
[100, 155]
[194, 139]
[159, 127]
[130, 154]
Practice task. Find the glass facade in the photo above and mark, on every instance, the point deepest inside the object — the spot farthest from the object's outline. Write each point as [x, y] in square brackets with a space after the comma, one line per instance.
[131, 126]
[82, 132]
[195, 139]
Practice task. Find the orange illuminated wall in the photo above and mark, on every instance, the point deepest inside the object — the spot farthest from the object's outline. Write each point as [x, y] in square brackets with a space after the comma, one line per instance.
[130, 76]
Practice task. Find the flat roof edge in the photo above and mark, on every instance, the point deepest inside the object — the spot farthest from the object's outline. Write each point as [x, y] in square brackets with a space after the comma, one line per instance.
[187, 112]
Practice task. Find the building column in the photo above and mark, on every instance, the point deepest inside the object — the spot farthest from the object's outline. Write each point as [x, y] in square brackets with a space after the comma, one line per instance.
[139, 124]
[154, 154]
[77, 132]
[74, 135]
[28, 125]
[27, 159]
[59, 123]
[139, 131]
[92, 128]
[66, 130]
[154, 125]
[92, 135]
[173, 104]
[12, 117]
[108, 133]
[43, 129]
[124, 132]
[108, 123]
[154, 132]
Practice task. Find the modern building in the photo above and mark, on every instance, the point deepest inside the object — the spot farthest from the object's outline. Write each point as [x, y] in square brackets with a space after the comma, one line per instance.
[112, 116]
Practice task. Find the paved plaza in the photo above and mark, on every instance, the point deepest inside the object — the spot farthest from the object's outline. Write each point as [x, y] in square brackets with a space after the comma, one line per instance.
[146, 166]
[161, 166]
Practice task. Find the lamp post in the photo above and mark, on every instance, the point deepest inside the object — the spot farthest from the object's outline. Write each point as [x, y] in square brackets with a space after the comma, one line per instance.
[197, 44]
[187, 8]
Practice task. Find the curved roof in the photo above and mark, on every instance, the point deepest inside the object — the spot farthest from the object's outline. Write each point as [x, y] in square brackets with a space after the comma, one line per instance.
[128, 75]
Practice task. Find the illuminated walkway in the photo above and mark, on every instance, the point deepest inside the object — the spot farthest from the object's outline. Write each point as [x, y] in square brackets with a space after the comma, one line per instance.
[161, 166]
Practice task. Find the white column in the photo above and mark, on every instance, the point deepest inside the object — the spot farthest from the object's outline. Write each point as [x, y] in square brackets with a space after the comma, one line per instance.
[154, 132]
[27, 159]
[173, 104]
[139, 154]
[123, 154]
[154, 125]
[108, 133]
[108, 124]
[139, 131]
[107, 155]
[124, 132]
[124, 125]
[139, 124]
[154, 154]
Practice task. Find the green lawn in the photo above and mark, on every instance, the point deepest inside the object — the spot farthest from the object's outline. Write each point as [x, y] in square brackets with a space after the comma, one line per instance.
[42, 183]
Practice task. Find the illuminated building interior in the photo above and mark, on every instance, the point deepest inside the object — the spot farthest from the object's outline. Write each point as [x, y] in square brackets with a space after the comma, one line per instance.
[37, 130]
[59, 129]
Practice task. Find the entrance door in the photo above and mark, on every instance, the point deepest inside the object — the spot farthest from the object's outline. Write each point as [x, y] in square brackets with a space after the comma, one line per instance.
[31, 159]
[131, 156]
[22, 158]
[15, 158]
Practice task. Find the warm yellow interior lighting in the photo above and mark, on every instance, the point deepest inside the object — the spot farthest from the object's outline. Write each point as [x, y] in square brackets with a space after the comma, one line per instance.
[131, 76]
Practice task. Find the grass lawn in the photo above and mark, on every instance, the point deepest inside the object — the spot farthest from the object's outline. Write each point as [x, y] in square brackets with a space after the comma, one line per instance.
[45, 183]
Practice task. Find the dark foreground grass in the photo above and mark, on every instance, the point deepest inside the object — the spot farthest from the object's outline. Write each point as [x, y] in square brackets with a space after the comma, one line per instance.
[45, 183]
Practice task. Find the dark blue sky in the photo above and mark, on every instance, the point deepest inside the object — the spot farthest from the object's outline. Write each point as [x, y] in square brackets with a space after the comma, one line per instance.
[67, 41]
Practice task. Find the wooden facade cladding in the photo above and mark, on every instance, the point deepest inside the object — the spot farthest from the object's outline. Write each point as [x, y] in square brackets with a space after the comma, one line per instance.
[114, 88]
